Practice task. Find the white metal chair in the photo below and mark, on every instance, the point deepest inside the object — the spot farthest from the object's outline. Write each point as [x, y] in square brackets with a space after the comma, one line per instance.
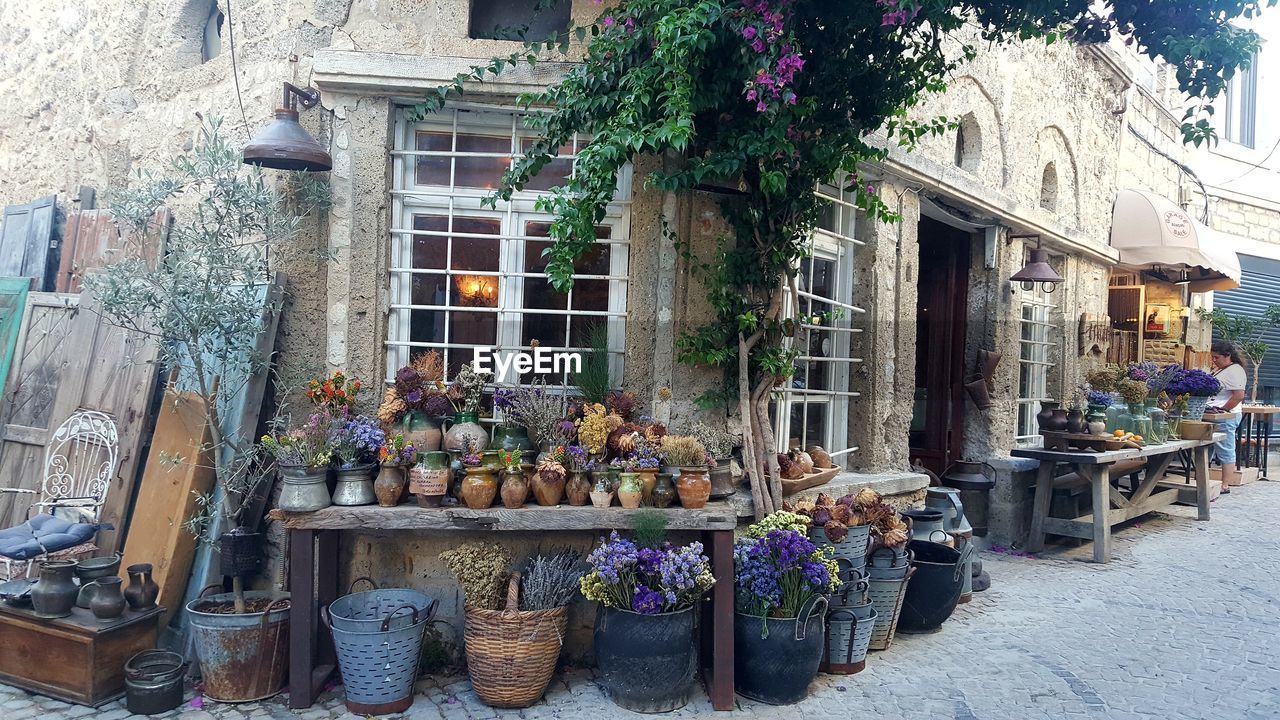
[79, 464]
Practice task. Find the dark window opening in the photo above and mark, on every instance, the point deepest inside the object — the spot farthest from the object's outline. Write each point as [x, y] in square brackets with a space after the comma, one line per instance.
[519, 19]
[211, 45]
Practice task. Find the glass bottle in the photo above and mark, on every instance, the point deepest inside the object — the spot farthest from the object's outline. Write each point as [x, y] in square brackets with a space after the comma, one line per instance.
[1117, 412]
[1159, 421]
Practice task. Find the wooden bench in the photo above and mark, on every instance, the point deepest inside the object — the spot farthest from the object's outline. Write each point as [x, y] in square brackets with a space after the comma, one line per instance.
[313, 571]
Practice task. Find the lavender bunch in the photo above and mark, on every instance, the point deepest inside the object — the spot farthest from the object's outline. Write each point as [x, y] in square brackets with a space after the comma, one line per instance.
[1101, 399]
[533, 407]
[550, 581]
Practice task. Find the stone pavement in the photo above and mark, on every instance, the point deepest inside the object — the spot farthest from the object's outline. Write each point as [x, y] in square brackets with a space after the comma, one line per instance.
[1181, 624]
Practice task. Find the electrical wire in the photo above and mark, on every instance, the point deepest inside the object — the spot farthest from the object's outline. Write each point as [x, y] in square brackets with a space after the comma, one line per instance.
[1256, 166]
[235, 69]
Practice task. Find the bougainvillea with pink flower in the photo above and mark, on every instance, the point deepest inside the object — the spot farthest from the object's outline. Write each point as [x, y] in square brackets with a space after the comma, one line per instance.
[762, 101]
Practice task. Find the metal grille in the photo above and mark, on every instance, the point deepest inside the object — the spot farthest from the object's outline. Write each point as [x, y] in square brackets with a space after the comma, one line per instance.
[467, 276]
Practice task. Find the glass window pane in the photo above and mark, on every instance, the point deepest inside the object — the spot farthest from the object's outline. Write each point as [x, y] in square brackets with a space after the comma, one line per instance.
[481, 172]
[429, 289]
[429, 251]
[548, 330]
[433, 169]
[472, 328]
[554, 173]
[426, 326]
[810, 419]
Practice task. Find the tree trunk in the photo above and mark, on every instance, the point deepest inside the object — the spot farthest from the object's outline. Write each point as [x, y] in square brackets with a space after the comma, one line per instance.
[1253, 397]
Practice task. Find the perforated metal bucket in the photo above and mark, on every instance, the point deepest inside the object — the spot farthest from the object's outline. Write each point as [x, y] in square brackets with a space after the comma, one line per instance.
[848, 637]
[886, 596]
[365, 611]
[379, 668]
[853, 548]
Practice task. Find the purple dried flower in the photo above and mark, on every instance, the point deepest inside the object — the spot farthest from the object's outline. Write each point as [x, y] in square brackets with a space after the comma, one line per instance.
[646, 601]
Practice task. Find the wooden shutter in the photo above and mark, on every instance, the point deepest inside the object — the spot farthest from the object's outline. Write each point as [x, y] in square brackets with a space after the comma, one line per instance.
[26, 241]
[93, 239]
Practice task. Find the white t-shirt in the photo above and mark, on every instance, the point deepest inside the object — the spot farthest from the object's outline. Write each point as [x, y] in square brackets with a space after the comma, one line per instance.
[1232, 377]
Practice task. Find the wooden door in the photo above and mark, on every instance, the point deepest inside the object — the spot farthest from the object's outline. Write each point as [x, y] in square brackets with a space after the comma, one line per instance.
[942, 302]
[27, 244]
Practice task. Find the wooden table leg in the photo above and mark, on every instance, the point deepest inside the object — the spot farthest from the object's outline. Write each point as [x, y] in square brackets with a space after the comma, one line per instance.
[721, 685]
[1100, 479]
[1040, 507]
[326, 593]
[302, 618]
[1202, 482]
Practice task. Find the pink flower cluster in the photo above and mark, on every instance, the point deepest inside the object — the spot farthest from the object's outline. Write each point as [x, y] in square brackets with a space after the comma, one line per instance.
[628, 24]
[763, 30]
[903, 12]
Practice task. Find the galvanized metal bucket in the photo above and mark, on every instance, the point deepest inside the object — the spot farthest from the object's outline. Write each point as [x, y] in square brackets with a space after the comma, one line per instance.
[886, 596]
[853, 548]
[888, 564]
[379, 667]
[848, 637]
[243, 656]
[366, 611]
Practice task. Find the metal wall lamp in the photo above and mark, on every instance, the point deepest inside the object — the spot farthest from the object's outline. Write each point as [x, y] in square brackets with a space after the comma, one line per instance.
[1037, 269]
[285, 144]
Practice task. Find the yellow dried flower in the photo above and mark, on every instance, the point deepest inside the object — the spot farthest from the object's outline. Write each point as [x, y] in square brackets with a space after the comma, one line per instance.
[482, 571]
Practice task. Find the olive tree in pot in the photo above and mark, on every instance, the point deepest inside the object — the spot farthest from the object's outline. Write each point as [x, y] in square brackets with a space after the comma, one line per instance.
[206, 303]
[782, 581]
[647, 590]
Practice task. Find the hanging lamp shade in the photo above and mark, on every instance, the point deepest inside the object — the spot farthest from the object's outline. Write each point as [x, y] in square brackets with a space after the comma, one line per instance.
[285, 144]
[1038, 270]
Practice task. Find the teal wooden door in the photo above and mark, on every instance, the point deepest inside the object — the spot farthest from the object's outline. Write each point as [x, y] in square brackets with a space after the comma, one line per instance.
[13, 300]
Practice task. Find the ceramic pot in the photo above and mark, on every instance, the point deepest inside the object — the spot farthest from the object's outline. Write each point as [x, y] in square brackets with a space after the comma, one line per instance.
[1048, 419]
[422, 431]
[648, 480]
[1059, 420]
[548, 487]
[1076, 422]
[1096, 420]
[694, 487]
[108, 602]
[722, 478]
[392, 481]
[630, 492]
[355, 486]
[601, 492]
[479, 487]
[429, 479]
[509, 436]
[515, 489]
[462, 426]
[664, 491]
[303, 488]
[55, 594]
[142, 591]
[578, 488]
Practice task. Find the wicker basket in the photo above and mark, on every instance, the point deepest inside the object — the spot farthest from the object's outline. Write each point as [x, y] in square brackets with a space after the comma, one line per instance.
[512, 653]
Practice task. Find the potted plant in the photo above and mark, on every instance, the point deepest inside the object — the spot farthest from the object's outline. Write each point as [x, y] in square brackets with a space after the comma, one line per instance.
[479, 486]
[782, 581]
[302, 458]
[1197, 386]
[690, 457]
[593, 430]
[531, 414]
[465, 394]
[645, 463]
[842, 525]
[394, 458]
[549, 478]
[415, 401]
[719, 444]
[355, 452]
[515, 490]
[577, 488]
[644, 626]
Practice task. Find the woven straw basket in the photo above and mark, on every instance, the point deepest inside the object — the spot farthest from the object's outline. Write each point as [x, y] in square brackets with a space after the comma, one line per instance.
[512, 653]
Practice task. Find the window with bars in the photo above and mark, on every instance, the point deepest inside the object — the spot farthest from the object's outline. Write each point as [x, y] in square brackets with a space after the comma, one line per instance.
[467, 276]
[814, 408]
[1038, 343]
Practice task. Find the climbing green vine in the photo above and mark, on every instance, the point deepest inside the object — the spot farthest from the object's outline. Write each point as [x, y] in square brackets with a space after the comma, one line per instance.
[763, 100]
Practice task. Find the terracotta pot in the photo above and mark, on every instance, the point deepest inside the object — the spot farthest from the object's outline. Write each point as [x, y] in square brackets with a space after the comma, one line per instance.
[648, 481]
[548, 487]
[630, 492]
[601, 492]
[142, 591]
[392, 481]
[987, 362]
[479, 487]
[422, 431]
[979, 393]
[429, 479]
[463, 425]
[664, 492]
[515, 489]
[578, 488]
[694, 487]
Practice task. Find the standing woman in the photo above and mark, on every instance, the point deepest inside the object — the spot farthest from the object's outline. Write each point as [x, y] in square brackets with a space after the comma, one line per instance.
[1229, 369]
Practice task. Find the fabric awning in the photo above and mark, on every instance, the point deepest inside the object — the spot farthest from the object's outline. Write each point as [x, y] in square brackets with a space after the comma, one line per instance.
[1155, 235]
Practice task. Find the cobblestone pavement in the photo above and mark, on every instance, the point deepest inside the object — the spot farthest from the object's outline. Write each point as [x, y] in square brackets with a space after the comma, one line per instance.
[1181, 624]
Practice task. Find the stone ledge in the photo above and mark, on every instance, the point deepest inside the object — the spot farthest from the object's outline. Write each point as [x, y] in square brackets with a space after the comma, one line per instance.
[887, 484]
[387, 74]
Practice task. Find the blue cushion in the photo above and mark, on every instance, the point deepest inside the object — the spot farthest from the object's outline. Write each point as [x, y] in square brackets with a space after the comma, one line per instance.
[43, 534]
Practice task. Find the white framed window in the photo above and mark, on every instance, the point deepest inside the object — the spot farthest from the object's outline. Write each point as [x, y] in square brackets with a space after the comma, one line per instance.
[1239, 121]
[1038, 343]
[813, 409]
[465, 275]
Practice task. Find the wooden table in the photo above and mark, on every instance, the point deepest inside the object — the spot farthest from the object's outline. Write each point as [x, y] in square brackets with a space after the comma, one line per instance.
[1110, 505]
[313, 570]
[78, 658]
[1253, 438]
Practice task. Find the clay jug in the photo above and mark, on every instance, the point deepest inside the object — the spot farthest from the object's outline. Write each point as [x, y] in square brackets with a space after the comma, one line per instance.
[548, 487]
[648, 481]
[464, 425]
[630, 491]
[392, 481]
[108, 602]
[664, 491]
[421, 431]
[601, 491]
[479, 487]
[515, 489]
[578, 488]
[142, 591]
[429, 479]
[694, 487]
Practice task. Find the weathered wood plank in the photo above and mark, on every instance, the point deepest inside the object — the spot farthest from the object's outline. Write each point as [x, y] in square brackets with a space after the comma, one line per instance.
[715, 516]
[1110, 456]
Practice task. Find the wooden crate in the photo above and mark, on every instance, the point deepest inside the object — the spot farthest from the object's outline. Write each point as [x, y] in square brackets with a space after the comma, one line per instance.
[79, 658]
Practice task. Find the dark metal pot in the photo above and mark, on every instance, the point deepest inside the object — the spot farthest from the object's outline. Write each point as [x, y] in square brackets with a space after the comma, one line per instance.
[775, 660]
[240, 552]
[935, 588]
[646, 662]
[153, 682]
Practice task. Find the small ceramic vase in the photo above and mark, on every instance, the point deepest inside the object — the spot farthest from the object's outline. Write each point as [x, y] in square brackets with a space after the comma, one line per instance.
[515, 489]
[108, 602]
[694, 487]
[392, 481]
[466, 424]
[578, 488]
[421, 431]
[630, 492]
[601, 493]
[429, 479]
[548, 487]
[142, 591]
[664, 491]
[648, 480]
[479, 487]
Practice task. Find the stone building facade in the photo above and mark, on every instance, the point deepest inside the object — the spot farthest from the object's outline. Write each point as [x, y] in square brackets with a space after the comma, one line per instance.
[90, 95]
